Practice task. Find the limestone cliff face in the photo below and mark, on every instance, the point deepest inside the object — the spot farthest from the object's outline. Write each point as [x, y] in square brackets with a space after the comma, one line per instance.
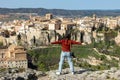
[83, 74]
[117, 39]
[80, 74]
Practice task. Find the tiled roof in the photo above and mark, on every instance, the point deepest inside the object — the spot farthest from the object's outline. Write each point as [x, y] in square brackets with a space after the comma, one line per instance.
[19, 51]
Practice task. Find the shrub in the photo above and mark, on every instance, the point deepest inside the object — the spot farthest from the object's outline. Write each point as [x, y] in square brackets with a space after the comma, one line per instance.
[102, 57]
[42, 67]
[1, 43]
[2, 69]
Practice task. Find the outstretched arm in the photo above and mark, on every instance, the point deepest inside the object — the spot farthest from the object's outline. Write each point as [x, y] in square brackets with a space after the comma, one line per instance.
[74, 42]
[56, 42]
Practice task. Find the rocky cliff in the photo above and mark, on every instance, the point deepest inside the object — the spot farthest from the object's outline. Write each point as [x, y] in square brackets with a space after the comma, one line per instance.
[83, 74]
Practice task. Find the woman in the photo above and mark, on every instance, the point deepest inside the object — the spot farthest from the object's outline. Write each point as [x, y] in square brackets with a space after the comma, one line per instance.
[65, 53]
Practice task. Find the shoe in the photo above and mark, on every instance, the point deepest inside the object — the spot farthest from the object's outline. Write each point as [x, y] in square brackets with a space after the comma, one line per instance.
[58, 73]
[73, 73]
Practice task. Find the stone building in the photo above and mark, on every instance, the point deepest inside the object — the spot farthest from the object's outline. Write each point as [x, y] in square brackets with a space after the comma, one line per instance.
[55, 24]
[49, 16]
[112, 23]
[67, 25]
[13, 57]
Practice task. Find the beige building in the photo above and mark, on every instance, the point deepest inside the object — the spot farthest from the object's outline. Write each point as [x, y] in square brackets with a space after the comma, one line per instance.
[68, 25]
[49, 16]
[112, 23]
[13, 57]
[54, 24]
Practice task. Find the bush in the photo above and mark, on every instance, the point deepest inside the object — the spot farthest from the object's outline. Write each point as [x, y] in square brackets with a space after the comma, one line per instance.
[42, 67]
[21, 69]
[2, 69]
[102, 57]
[1, 43]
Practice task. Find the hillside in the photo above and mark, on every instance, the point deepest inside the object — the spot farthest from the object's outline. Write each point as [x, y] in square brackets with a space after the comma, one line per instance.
[90, 64]
[86, 57]
[61, 12]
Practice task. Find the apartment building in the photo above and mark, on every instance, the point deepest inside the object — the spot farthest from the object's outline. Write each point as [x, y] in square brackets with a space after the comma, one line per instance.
[13, 57]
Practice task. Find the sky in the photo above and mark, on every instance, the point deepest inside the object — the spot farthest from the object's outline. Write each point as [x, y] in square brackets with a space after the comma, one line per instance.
[62, 4]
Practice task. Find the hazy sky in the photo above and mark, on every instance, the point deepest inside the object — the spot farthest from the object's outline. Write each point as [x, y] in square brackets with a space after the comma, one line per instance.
[61, 4]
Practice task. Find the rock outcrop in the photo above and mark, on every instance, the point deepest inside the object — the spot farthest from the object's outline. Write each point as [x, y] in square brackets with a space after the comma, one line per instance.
[80, 74]
[83, 74]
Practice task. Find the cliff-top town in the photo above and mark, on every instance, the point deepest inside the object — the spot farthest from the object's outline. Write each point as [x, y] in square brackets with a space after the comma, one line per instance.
[43, 27]
[43, 30]
[37, 31]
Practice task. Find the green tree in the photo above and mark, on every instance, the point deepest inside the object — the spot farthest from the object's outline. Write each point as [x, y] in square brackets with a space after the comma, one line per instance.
[109, 37]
